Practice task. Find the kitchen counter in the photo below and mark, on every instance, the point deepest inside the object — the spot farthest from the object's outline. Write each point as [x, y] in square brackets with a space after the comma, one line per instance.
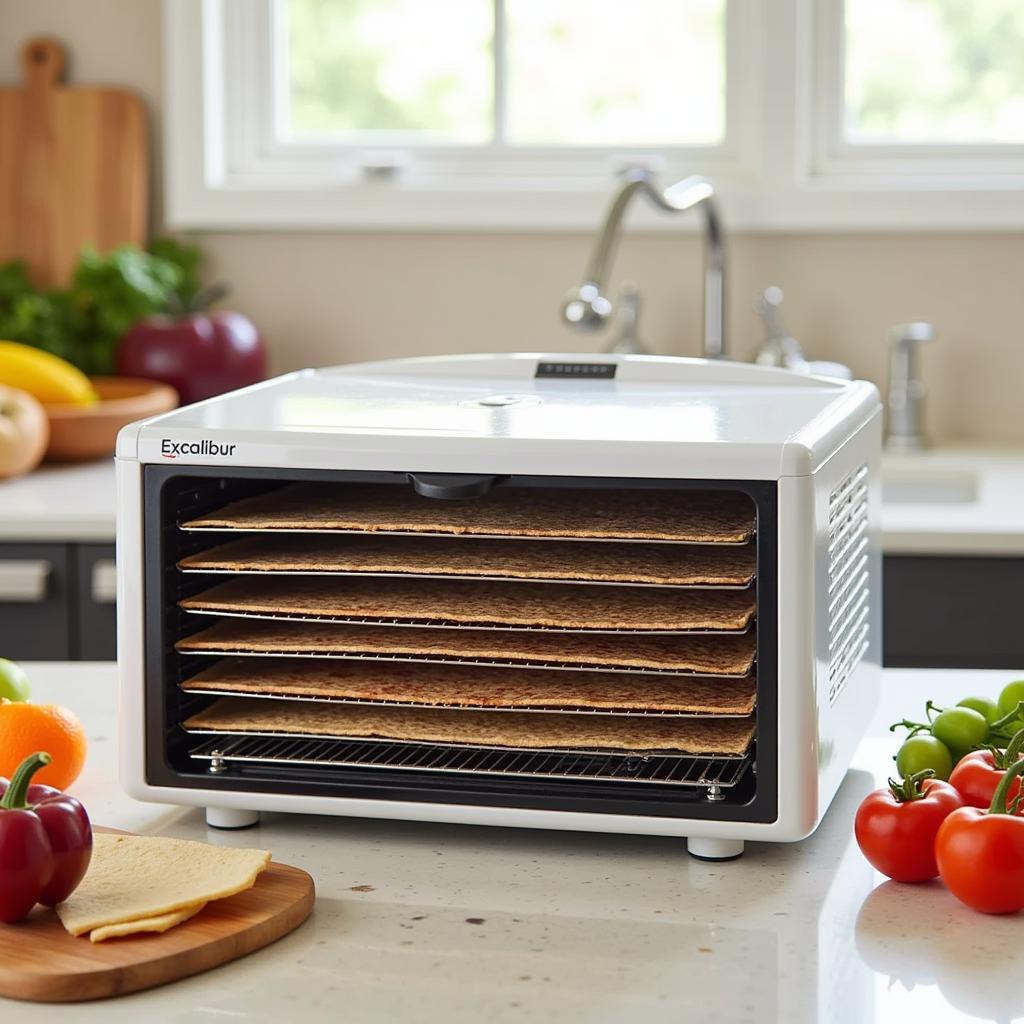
[458, 923]
[67, 504]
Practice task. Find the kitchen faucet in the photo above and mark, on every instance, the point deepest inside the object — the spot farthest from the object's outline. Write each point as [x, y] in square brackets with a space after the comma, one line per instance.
[588, 309]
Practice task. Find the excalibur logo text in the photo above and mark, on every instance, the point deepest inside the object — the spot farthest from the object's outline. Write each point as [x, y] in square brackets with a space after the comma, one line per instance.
[172, 449]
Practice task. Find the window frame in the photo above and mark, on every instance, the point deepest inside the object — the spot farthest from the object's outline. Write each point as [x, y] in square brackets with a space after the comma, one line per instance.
[781, 166]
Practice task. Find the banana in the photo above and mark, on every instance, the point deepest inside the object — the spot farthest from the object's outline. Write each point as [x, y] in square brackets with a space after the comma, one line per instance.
[49, 378]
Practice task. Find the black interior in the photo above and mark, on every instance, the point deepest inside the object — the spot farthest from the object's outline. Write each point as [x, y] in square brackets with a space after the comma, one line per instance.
[173, 494]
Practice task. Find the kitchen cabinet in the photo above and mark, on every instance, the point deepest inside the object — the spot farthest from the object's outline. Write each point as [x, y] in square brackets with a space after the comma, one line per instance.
[953, 612]
[57, 602]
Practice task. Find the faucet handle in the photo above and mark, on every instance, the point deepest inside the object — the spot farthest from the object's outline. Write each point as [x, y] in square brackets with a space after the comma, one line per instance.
[627, 341]
[779, 348]
[911, 333]
[907, 392]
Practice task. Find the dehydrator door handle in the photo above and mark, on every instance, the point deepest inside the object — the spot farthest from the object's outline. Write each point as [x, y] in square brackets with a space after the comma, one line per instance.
[453, 485]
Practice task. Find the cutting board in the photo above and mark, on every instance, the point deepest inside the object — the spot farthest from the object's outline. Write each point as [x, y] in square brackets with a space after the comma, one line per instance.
[41, 962]
[74, 167]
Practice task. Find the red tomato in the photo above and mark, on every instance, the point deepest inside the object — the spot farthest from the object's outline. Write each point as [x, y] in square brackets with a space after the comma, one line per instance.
[976, 777]
[981, 859]
[896, 827]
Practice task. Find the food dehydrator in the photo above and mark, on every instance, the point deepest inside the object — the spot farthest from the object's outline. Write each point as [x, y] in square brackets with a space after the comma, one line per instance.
[615, 594]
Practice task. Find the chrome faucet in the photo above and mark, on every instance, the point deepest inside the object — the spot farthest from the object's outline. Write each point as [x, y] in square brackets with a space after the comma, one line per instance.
[588, 309]
[906, 388]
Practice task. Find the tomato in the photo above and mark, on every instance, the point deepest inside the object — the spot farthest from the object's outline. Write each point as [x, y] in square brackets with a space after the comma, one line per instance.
[896, 827]
[977, 777]
[984, 706]
[923, 751]
[1010, 696]
[980, 853]
[961, 729]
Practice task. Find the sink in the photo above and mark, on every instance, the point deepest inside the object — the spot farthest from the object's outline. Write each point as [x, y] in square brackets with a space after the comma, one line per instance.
[919, 486]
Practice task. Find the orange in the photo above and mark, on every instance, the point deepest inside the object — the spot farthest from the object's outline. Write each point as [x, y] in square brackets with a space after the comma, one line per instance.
[26, 728]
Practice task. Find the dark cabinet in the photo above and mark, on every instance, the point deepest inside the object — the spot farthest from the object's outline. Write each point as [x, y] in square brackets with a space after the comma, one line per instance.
[96, 590]
[953, 612]
[36, 598]
[57, 602]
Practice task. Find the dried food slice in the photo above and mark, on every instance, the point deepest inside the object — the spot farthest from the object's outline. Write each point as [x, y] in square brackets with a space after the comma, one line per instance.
[606, 562]
[135, 877]
[706, 655]
[722, 736]
[702, 517]
[480, 603]
[472, 686]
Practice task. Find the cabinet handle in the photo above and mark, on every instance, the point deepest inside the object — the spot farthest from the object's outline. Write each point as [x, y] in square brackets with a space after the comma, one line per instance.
[104, 581]
[24, 579]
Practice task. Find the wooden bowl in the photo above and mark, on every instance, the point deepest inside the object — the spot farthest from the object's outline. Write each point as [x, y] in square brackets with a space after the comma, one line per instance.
[80, 432]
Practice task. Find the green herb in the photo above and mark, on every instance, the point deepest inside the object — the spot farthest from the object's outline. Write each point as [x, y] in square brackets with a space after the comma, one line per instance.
[108, 295]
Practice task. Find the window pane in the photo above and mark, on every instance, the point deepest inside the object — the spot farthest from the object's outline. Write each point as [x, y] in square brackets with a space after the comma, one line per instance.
[934, 71]
[611, 72]
[371, 70]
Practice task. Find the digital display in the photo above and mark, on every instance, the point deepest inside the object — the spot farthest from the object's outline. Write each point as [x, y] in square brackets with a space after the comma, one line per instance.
[597, 371]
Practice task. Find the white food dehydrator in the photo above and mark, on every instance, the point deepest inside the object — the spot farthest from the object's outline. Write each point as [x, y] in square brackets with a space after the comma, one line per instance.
[616, 594]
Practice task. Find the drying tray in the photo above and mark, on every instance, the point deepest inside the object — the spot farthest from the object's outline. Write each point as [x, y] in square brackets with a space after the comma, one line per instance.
[381, 747]
[446, 659]
[232, 530]
[563, 581]
[354, 620]
[538, 708]
[705, 772]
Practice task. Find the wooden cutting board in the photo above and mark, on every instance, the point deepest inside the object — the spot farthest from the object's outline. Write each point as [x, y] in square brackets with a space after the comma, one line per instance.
[41, 962]
[74, 167]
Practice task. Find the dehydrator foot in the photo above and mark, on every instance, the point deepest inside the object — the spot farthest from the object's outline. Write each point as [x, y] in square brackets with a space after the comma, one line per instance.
[229, 817]
[714, 849]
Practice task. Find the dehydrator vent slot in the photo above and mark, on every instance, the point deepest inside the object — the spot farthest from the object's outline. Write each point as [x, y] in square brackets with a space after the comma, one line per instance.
[847, 581]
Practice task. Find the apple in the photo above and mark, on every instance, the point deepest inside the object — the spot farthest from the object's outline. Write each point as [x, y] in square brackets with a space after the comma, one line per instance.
[24, 432]
[13, 681]
[200, 354]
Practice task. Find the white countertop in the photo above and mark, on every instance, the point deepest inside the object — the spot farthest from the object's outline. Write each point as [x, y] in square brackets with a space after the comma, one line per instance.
[77, 503]
[459, 923]
[65, 503]
[990, 522]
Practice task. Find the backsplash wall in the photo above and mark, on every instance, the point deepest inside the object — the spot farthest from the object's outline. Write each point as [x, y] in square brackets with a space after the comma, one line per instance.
[338, 297]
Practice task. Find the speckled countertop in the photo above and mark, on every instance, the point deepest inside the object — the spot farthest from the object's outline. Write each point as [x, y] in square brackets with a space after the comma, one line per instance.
[458, 923]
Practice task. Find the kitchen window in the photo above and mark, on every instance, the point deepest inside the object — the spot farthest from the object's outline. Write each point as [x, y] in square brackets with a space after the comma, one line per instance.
[491, 114]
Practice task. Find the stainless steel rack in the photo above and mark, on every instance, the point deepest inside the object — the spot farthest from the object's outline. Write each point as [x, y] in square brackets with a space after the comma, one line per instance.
[619, 766]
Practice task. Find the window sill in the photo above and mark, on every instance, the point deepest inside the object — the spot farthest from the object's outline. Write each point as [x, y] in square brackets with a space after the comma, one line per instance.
[817, 207]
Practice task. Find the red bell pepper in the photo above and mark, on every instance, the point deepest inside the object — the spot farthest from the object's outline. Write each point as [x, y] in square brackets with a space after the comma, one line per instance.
[980, 853]
[896, 826]
[979, 773]
[45, 842]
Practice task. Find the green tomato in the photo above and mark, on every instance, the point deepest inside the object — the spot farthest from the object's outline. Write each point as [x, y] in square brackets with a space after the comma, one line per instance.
[983, 705]
[924, 751]
[961, 729]
[13, 681]
[1012, 694]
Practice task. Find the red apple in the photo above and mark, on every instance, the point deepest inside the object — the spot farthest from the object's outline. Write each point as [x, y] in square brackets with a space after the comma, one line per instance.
[198, 354]
[24, 432]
